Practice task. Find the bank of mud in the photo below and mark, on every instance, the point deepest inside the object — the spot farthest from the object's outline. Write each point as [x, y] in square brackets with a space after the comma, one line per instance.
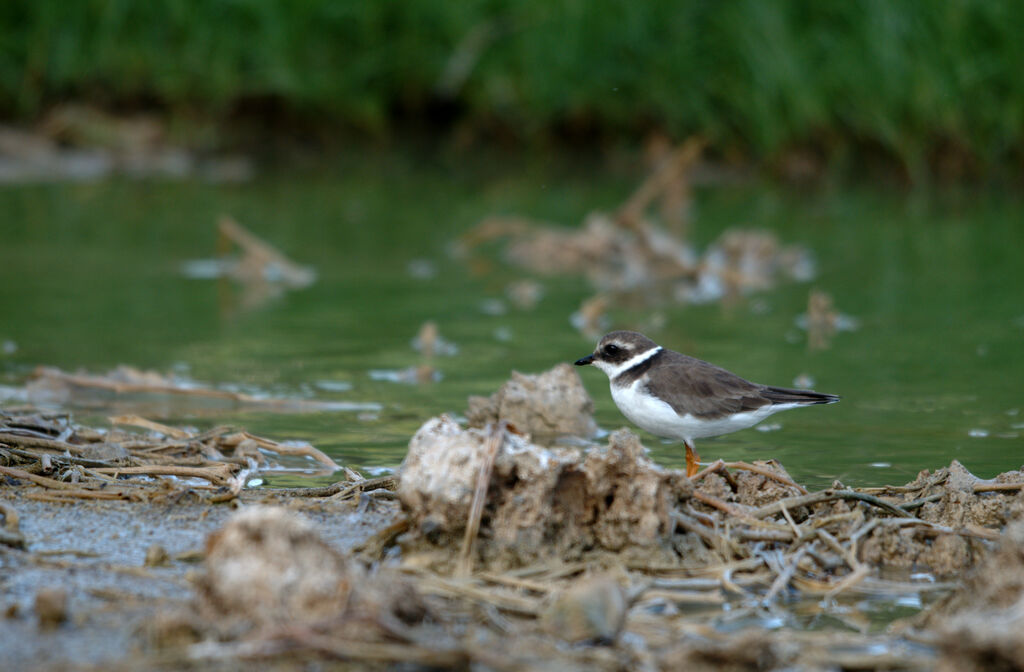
[493, 548]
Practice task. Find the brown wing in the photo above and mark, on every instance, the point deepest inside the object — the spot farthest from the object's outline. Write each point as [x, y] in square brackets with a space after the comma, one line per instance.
[691, 385]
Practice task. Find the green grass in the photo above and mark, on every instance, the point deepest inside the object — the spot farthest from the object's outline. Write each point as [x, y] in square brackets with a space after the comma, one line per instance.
[910, 80]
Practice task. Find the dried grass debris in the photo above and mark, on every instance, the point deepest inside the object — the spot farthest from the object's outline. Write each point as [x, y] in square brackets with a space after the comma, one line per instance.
[72, 462]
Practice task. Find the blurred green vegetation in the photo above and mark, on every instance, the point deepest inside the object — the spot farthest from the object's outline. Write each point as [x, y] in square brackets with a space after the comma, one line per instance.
[914, 82]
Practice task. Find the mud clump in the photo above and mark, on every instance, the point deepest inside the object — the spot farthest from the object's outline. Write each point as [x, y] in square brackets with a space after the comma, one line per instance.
[269, 574]
[268, 565]
[541, 502]
[548, 404]
[981, 625]
[965, 513]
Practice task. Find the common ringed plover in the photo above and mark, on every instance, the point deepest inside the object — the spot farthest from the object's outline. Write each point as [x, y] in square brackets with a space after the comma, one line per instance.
[676, 396]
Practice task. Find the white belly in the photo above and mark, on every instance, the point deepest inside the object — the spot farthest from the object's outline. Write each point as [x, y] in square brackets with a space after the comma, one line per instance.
[658, 418]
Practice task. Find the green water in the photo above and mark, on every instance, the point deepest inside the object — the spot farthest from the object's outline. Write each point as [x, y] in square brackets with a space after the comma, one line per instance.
[92, 278]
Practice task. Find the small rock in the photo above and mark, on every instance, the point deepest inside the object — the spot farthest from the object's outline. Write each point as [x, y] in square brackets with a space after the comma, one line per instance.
[591, 610]
[51, 607]
[156, 556]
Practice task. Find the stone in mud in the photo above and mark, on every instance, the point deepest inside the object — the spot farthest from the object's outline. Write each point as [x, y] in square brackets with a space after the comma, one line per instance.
[51, 606]
[592, 609]
[540, 502]
[268, 565]
[546, 404]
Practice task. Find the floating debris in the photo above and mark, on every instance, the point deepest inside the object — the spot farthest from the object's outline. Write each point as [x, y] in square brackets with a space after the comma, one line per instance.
[430, 343]
[822, 321]
[263, 271]
[493, 307]
[127, 388]
[420, 374]
[525, 294]
[804, 381]
[421, 269]
[81, 143]
[627, 257]
[591, 320]
[334, 385]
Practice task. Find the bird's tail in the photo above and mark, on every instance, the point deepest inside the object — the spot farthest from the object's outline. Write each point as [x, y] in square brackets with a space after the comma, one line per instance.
[784, 395]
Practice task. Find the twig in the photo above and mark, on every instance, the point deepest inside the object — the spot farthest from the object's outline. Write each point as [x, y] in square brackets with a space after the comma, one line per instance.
[918, 503]
[768, 473]
[382, 652]
[998, 487]
[339, 490]
[64, 496]
[366, 485]
[789, 519]
[684, 521]
[483, 481]
[683, 596]
[36, 442]
[305, 450]
[717, 503]
[219, 474]
[710, 469]
[783, 578]
[827, 496]
[462, 588]
[516, 582]
[139, 421]
[38, 480]
[670, 170]
[856, 576]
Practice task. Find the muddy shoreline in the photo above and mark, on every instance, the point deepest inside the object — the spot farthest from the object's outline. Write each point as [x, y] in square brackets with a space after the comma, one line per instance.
[151, 548]
[97, 553]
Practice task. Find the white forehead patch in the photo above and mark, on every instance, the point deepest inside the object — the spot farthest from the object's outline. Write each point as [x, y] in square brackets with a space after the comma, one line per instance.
[614, 370]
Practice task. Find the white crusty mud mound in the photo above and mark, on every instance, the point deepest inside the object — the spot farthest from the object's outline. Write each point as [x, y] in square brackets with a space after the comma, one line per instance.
[268, 565]
[540, 501]
[545, 404]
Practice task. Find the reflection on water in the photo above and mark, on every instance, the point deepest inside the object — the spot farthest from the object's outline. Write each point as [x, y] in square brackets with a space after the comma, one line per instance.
[92, 280]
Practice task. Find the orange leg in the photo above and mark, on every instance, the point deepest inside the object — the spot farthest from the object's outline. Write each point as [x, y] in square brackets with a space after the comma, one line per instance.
[692, 460]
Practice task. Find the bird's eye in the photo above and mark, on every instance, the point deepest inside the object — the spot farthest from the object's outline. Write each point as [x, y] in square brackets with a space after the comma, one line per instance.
[612, 349]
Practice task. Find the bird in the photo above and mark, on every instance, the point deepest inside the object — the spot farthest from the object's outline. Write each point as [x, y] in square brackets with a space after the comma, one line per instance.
[676, 396]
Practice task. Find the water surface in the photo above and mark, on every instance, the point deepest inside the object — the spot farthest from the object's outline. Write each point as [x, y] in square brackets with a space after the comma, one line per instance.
[92, 279]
